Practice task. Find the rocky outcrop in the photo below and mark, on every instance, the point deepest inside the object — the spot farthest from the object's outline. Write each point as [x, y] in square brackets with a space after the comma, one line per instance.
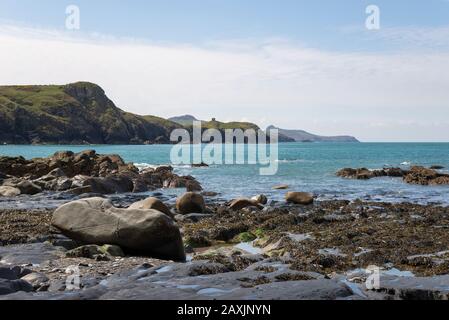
[97, 221]
[86, 172]
[415, 175]
[365, 174]
[65, 164]
[424, 176]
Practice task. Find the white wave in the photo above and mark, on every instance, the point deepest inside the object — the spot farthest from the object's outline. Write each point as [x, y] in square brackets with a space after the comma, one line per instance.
[181, 166]
[405, 163]
[290, 161]
[144, 165]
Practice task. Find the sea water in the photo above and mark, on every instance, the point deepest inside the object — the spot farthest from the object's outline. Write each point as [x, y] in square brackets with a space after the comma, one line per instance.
[309, 167]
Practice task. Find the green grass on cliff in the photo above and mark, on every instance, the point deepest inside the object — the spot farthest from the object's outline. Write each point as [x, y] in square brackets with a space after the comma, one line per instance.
[32, 96]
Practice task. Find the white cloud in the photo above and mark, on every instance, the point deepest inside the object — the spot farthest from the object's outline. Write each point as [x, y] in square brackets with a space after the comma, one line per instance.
[273, 80]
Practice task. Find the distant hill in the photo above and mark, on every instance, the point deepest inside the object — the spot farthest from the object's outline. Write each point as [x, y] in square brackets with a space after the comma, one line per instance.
[187, 121]
[303, 136]
[81, 113]
[184, 120]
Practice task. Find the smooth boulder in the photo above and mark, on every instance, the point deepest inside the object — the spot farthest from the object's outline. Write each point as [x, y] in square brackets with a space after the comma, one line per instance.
[6, 191]
[97, 221]
[302, 198]
[152, 203]
[190, 202]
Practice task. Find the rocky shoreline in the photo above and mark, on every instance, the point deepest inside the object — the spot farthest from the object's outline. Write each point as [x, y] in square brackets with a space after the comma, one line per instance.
[84, 173]
[201, 248]
[415, 175]
[276, 251]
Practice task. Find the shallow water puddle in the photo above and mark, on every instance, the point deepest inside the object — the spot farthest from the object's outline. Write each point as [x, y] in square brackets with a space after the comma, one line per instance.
[331, 252]
[164, 269]
[249, 247]
[398, 273]
[214, 292]
[187, 286]
[301, 236]
[389, 272]
[362, 252]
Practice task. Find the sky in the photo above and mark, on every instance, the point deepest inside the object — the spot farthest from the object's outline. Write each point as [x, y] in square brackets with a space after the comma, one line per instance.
[296, 64]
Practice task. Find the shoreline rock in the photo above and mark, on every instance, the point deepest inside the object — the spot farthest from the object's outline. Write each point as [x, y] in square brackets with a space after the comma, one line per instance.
[87, 172]
[415, 175]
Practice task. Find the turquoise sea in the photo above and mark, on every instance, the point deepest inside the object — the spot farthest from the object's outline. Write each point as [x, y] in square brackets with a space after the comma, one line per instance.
[307, 167]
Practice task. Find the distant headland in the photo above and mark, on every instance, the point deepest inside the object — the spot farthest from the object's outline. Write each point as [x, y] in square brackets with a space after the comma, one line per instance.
[81, 113]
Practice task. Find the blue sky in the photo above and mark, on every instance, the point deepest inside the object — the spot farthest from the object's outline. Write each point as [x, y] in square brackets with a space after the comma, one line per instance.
[314, 23]
[296, 64]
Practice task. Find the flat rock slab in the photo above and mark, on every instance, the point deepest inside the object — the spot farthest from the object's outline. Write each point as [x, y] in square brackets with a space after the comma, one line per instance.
[33, 253]
[432, 288]
[264, 280]
[175, 282]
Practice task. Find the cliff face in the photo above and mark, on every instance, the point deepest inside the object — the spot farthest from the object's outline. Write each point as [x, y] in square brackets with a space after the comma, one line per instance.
[73, 114]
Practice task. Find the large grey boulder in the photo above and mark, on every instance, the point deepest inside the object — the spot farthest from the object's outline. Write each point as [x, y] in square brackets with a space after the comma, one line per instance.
[97, 221]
